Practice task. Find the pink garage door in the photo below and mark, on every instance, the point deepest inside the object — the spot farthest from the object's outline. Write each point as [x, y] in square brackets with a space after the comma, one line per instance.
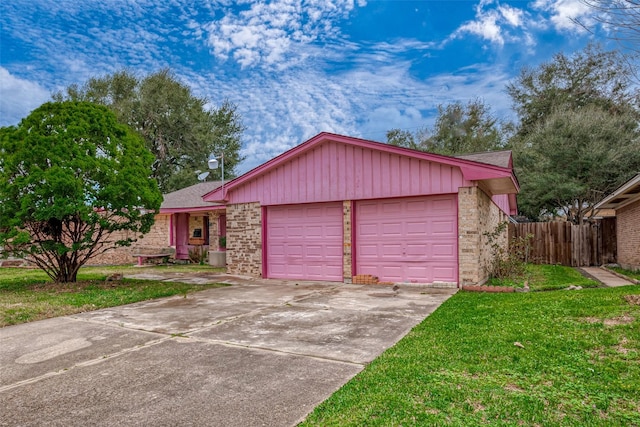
[408, 240]
[305, 241]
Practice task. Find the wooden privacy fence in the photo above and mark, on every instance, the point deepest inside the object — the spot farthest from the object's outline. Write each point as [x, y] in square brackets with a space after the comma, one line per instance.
[569, 244]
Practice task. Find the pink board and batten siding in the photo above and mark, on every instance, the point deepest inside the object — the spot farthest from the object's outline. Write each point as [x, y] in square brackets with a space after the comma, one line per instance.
[502, 202]
[333, 172]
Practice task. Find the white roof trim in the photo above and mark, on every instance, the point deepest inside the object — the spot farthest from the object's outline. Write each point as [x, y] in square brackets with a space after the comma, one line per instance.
[622, 196]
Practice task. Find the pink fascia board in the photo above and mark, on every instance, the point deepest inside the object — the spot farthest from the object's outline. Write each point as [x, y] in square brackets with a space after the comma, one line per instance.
[185, 210]
[472, 171]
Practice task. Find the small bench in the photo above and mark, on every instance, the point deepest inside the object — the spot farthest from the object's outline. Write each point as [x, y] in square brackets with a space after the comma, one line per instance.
[144, 254]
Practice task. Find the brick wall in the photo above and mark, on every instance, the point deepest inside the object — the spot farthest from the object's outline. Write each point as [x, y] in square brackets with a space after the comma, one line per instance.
[477, 214]
[628, 236]
[347, 270]
[244, 239]
[158, 237]
[214, 229]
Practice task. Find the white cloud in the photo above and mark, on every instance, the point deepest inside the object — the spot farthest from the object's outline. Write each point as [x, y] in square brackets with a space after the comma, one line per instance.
[18, 97]
[564, 13]
[265, 33]
[497, 24]
[485, 26]
[512, 15]
[366, 101]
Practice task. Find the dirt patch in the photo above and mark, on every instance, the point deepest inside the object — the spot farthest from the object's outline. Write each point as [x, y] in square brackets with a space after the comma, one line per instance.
[513, 387]
[632, 299]
[620, 348]
[614, 321]
[477, 406]
[620, 320]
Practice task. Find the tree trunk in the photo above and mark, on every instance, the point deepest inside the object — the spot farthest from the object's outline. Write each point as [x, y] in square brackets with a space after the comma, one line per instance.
[68, 272]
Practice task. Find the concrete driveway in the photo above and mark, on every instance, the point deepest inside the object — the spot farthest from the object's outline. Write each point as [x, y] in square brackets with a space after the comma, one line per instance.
[258, 353]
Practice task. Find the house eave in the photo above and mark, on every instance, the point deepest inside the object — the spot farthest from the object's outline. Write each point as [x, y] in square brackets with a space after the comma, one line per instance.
[625, 195]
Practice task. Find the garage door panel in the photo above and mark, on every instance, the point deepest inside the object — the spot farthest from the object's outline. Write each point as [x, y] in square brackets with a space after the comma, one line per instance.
[333, 231]
[446, 251]
[417, 249]
[391, 229]
[418, 206]
[442, 273]
[408, 240]
[391, 207]
[443, 227]
[305, 241]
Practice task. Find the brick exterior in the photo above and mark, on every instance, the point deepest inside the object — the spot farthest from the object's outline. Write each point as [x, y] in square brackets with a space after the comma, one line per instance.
[214, 229]
[157, 237]
[244, 239]
[347, 258]
[477, 214]
[628, 236]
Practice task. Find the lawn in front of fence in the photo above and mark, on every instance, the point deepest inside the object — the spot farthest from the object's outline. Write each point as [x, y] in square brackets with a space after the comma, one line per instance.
[540, 358]
[543, 277]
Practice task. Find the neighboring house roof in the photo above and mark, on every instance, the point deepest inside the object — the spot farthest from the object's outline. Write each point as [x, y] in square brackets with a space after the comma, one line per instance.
[628, 193]
[498, 179]
[504, 158]
[190, 198]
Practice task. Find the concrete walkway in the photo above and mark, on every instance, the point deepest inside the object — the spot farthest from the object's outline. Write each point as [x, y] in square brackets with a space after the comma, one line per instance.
[605, 277]
[258, 353]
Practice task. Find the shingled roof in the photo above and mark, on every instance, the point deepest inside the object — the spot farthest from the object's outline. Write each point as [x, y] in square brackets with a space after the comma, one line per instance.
[496, 158]
[190, 197]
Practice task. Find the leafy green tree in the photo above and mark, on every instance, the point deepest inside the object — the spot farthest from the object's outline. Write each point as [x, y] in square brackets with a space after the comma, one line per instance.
[402, 138]
[466, 128]
[458, 129]
[176, 126]
[575, 158]
[592, 76]
[74, 182]
[563, 160]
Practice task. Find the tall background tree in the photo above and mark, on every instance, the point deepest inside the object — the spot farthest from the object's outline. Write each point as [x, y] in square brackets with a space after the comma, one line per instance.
[621, 18]
[459, 128]
[73, 182]
[176, 126]
[577, 137]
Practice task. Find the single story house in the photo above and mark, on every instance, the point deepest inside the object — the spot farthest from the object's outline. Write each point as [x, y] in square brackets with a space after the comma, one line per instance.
[336, 207]
[192, 221]
[625, 201]
[184, 222]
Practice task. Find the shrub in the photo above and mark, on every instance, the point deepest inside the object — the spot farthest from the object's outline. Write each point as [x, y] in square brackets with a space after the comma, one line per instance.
[510, 262]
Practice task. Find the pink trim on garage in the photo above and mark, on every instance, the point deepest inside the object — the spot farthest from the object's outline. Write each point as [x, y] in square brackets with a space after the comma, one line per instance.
[265, 254]
[354, 246]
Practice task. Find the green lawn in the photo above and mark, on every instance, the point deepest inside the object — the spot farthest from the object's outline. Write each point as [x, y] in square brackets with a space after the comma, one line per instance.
[548, 277]
[628, 273]
[580, 365]
[27, 294]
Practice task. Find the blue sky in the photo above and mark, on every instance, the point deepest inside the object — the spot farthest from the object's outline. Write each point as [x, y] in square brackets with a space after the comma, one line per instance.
[294, 68]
